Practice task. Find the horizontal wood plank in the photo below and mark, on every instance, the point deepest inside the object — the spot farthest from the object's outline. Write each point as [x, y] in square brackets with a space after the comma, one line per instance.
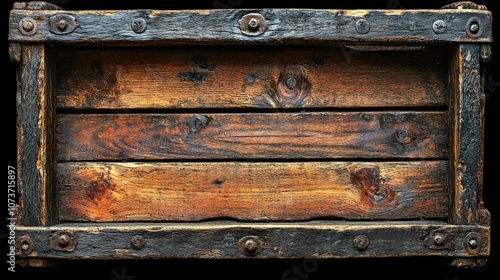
[284, 26]
[219, 240]
[92, 137]
[242, 77]
[252, 191]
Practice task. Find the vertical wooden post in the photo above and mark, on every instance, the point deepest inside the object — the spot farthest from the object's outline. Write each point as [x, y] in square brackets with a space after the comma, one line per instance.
[35, 127]
[466, 106]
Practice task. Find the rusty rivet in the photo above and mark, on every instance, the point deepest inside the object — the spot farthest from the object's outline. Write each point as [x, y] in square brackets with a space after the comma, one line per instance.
[362, 26]
[138, 242]
[473, 243]
[403, 136]
[139, 25]
[250, 245]
[439, 26]
[63, 241]
[62, 25]
[24, 245]
[361, 242]
[474, 28]
[27, 26]
[253, 24]
[438, 240]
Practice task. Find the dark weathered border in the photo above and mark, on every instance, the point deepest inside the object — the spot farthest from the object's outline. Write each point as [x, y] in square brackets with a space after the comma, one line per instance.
[280, 240]
[283, 26]
[466, 131]
[36, 135]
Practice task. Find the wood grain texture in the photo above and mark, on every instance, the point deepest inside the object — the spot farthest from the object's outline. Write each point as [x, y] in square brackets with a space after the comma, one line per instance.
[312, 240]
[252, 191]
[244, 77]
[467, 137]
[294, 26]
[320, 135]
[35, 135]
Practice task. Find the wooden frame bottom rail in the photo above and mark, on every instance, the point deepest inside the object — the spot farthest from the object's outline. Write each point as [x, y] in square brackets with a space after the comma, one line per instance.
[223, 240]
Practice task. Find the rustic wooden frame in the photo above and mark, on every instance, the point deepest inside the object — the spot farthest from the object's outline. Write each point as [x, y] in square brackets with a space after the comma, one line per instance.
[468, 219]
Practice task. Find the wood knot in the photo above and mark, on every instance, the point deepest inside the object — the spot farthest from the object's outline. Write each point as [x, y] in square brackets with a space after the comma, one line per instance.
[403, 136]
[375, 191]
[199, 122]
[292, 87]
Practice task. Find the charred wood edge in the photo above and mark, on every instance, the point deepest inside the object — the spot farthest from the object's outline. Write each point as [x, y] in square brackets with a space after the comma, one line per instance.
[219, 240]
[466, 143]
[467, 112]
[484, 216]
[221, 26]
[35, 6]
[36, 136]
[15, 52]
[464, 5]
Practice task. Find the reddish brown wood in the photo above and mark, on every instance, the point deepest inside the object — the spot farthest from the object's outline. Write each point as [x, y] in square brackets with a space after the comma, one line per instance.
[242, 77]
[252, 136]
[252, 191]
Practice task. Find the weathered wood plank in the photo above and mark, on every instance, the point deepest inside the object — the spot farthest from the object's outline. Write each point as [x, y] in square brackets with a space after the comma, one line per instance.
[284, 26]
[92, 137]
[252, 191]
[318, 240]
[466, 130]
[242, 77]
[35, 137]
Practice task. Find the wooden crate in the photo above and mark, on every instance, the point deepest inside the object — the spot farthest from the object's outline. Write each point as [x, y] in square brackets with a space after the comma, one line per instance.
[237, 133]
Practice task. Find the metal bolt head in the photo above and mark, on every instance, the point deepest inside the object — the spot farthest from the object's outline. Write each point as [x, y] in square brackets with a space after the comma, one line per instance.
[139, 25]
[62, 25]
[24, 245]
[361, 242]
[253, 24]
[63, 240]
[27, 26]
[472, 243]
[439, 26]
[250, 245]
[137, 242]
[362, 26]
[474, 28]
[438, 240]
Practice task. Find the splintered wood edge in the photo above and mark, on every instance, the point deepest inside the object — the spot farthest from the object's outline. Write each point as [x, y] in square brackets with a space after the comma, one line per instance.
[222, 26]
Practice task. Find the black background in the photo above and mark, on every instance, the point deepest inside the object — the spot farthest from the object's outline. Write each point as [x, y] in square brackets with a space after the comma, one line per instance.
[392, 268]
